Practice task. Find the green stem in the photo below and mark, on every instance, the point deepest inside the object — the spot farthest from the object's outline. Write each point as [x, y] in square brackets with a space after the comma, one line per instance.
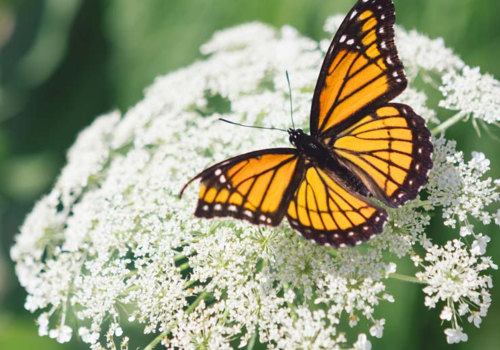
[131, 273]
[179, 256]
[405, 278]
[417, 204]
[188, 284]
[184, 266]
[251, 343]
[156, 340]
[447, 123]
[188, 311]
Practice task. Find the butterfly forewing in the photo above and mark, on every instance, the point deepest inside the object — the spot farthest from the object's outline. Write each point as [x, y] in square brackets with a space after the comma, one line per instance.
[322, 209]
[361, 68]
[254, 186]
[390, 151]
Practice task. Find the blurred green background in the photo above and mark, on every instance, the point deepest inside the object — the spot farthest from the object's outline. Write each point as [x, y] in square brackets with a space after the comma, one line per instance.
[64, 62]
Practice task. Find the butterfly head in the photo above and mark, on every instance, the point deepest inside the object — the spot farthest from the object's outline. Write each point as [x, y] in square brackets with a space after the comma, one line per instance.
[295, 135]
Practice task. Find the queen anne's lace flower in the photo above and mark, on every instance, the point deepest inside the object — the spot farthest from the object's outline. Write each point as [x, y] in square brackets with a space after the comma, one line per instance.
[454, 275]
[472, 93]
[112, 246]
[460, 187]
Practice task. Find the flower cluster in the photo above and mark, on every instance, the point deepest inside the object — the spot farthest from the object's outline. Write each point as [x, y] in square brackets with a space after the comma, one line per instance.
[472, 93]
[459, 186]
[112, 247]
[453, 274]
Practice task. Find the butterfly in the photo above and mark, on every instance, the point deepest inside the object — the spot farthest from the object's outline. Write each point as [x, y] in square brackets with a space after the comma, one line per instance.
[360, 145]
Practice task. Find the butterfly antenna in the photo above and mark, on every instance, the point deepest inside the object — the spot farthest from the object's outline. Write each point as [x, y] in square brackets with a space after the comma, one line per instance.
[251, 126]
[291, 105]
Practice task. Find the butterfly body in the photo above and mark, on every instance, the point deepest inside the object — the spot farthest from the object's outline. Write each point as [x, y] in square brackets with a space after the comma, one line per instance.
[310, 148]
[360, 146]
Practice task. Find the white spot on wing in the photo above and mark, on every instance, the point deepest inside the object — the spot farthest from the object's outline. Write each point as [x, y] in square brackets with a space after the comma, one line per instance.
[342, 38]
[218, 172]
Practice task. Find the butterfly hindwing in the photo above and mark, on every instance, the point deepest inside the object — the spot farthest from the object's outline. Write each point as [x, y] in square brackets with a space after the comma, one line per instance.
[324, 210]
[390, 151]
[254, 186]
[361, 68]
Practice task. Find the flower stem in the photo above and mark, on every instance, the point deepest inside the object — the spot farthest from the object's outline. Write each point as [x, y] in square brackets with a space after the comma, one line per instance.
[447, 123]
[188, 311]
[251, 343]
[405, 278]
[156, 340]
[417, 204]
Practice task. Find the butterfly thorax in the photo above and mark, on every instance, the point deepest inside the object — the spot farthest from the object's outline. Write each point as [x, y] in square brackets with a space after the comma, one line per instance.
[310, 147]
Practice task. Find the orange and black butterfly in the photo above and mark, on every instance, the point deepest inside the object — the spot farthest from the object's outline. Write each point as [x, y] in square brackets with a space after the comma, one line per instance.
[360, 145]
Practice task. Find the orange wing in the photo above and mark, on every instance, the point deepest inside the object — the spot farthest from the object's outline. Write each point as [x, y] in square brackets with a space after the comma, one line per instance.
[390, 151]
[361, 68]
[322, 209]
[255, 186]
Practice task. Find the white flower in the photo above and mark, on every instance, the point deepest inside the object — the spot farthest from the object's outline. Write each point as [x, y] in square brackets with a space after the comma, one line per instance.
[446, 314]
[453, 275]
[497, 217]
[119, 332]
[62, 334]
[466, 230]
[455, 335]
[475, 318]
[479, 244]
[377, 330]
[88, 336]
[459, 187]
[363, 343]
[480, 162]
[43, 324]
[472, 93]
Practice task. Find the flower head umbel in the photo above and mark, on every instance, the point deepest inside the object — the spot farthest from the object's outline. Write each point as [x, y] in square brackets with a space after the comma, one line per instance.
[454, 275]
[112, 246]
